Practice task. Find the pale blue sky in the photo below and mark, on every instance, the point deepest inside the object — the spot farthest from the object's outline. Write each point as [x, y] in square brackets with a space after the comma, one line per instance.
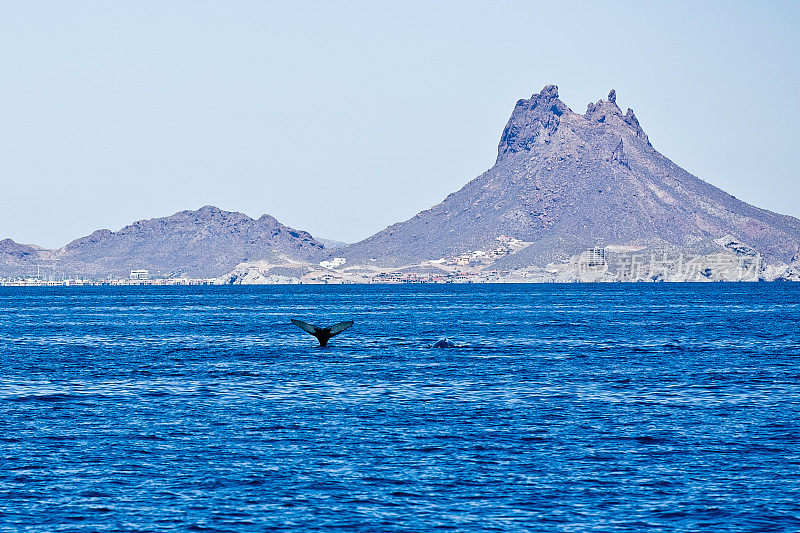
[342, 118]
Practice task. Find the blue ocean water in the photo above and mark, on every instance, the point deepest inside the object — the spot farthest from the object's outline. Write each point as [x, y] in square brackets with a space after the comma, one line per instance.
[647, 407]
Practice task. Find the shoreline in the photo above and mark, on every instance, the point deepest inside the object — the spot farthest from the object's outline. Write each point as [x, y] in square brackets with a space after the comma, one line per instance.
[216, 283]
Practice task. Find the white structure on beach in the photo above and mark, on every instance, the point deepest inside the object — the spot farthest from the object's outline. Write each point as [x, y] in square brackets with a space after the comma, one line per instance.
[140, 274]
[336, 262]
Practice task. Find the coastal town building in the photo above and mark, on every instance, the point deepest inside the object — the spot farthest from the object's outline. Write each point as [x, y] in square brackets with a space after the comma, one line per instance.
[140, 274]
[597, 257]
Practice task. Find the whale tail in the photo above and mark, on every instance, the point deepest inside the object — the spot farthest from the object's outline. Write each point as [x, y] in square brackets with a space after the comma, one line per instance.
[323, 335]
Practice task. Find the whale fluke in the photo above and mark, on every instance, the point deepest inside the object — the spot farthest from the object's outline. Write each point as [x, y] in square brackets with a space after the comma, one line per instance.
[323, 335]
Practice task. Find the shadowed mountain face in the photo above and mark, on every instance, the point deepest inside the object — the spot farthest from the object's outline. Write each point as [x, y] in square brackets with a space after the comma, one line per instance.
[18, 259]
[566, 182]
[203, 243]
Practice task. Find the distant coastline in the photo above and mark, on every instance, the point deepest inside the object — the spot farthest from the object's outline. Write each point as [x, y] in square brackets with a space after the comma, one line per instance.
[732, 262]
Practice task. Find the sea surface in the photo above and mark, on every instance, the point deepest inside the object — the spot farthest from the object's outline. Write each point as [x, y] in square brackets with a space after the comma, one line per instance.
[625, 407]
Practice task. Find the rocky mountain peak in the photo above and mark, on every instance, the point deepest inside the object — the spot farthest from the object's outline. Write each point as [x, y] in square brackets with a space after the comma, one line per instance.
[549, 91]
[267, 219]
[536, 120]
[533, 121]
[631, 120]
[604, 110]
[607, 112]
[566, 182]
[209, 210]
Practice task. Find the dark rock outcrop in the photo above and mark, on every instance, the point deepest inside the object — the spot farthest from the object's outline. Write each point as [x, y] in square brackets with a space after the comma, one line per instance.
[19, 259]
[9, 248]
[532, 121]
[618, 155]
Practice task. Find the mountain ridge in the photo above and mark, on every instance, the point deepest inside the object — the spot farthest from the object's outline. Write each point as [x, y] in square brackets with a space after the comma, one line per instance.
[204, 243]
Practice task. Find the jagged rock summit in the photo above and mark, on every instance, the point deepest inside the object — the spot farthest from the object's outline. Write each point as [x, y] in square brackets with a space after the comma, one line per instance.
[203, 243]
[564, 182]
